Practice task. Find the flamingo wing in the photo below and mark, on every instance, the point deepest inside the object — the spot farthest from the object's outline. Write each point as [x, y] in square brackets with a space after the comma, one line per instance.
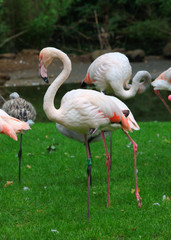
[7, 129]
[92, 109]
[133, 124]
[17, 125]
[10, 126]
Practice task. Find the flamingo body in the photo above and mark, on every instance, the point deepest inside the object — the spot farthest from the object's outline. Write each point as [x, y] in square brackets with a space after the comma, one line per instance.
[111, 72]
[82, 109]
[163, 82]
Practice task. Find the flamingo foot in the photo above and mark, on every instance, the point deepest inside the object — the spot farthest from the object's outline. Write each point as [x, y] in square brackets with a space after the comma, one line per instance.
[139, 200]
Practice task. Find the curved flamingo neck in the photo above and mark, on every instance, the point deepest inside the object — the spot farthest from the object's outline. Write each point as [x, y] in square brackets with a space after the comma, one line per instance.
[136, 86]
[126, 94]
[52, 113]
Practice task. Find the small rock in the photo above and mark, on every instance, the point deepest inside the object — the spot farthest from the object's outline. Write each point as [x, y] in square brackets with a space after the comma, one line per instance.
[167, 50]
[3, 78]
[137, 55]
[98, 53]
[121, 50]
[80, 58]
[30, 51]
[7, 56]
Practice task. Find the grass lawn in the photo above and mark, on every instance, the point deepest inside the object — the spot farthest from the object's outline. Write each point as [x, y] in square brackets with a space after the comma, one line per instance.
[51, 201]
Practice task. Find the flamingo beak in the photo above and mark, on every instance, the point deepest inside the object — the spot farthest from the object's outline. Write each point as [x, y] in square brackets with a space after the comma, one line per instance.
[45, 79]
[43, 72]
[83, 84]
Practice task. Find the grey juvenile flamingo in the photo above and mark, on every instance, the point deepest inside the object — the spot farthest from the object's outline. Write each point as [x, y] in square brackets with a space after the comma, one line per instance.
[23, 110]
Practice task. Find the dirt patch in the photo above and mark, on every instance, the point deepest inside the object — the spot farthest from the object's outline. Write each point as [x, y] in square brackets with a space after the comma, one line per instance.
[22, 69]
[21, 61]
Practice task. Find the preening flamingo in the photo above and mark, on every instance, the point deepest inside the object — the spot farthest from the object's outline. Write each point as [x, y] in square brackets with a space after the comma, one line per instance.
[82, 110]
[111, 72]
[11, 126]
[21, 109]
[163, 82]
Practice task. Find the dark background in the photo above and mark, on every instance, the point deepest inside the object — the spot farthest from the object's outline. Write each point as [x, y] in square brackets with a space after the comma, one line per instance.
[77, 26]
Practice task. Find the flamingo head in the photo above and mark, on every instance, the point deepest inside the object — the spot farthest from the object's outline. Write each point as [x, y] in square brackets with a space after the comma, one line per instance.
[45, 58]
[169, 98]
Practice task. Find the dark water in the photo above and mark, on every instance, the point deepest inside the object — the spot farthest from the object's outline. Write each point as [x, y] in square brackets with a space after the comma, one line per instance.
[145, 107]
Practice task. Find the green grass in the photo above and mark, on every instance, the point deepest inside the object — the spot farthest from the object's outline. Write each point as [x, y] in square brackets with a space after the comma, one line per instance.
[57, 182]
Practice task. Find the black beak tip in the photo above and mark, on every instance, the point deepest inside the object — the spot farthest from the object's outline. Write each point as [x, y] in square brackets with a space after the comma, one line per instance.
[83, 84]
[45, 79]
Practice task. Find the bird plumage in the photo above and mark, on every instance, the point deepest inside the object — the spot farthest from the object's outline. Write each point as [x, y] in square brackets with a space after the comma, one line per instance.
[84, 109]
[163, 82]
[111, 72]
[81, 109]
[19, 108]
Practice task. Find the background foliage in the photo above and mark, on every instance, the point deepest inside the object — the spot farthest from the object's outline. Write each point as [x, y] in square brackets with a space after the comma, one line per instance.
[72, 25]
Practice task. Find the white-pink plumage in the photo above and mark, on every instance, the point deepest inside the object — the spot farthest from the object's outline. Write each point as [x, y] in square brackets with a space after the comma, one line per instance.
[11, 126]
[82, 109]
[163, 82]
[111, 72]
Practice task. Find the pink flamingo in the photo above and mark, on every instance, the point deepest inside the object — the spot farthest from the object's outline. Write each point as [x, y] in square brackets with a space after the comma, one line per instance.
[82, 110]
[11, 126]
[163, 82]
[111, 72]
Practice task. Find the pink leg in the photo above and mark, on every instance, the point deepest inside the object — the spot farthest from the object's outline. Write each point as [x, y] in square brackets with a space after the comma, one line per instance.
[89, 173]
[110, 133]
[158, 94]
[108, 162]
[135, 146]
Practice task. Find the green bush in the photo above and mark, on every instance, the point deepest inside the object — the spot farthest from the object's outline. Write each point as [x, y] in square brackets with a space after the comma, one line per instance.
[71, 24]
